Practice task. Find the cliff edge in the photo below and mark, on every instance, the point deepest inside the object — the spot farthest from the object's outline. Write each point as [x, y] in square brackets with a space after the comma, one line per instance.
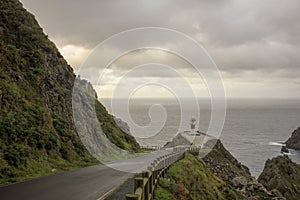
[294, 141]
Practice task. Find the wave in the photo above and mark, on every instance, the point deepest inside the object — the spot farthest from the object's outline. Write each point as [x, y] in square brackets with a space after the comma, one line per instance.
[276, 144]
[288, 154]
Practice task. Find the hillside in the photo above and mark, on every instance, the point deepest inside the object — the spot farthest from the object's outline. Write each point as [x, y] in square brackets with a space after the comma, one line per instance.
[282, 174]
[190, 179]
[217, 176]
[37, 132]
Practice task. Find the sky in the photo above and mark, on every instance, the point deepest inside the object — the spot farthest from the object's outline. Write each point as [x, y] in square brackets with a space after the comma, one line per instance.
[254, 43]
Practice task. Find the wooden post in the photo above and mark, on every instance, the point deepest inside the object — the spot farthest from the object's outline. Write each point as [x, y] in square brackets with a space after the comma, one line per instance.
[139, 183]
[146, 175]
[144, 187]
[152, 186]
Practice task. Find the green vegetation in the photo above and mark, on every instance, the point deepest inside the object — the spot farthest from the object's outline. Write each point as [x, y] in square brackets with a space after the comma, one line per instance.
[113, 132]
[218, 176]
[35, 136]
[189, 178]
[37, 132]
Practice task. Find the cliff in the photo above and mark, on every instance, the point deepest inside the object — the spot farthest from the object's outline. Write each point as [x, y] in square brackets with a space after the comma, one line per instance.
[189, 178]
[282, 174]
[294, 141]
[98, 129]
[217, 176]
[37, 132]
[225, 166]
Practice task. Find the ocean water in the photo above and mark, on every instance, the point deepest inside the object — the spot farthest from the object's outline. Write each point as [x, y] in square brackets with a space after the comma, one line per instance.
[253, 129]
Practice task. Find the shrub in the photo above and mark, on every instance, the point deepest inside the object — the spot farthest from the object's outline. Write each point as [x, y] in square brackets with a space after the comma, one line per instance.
[16, 155]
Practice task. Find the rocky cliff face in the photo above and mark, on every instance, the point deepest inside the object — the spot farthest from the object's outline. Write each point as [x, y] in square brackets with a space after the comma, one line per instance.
[97, 129]
[282, 174]
[225, 166]
[37, 132]
[294, 141]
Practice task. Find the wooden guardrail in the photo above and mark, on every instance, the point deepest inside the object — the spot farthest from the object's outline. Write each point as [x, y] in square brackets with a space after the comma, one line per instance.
[144, 186]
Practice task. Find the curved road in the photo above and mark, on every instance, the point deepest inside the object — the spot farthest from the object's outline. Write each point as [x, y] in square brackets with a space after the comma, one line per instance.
[89, 183]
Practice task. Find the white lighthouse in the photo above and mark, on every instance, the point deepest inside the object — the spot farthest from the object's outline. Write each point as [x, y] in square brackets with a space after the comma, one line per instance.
[193, 125]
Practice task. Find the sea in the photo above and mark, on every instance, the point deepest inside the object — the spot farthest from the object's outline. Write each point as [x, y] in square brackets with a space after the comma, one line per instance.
[253, 132]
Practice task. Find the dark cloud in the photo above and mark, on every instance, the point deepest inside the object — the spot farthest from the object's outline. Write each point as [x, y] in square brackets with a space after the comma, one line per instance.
[241, 36]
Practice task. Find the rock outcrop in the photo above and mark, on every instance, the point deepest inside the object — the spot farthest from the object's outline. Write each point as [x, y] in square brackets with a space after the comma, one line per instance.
[224, 165]
[123, 125]
[98, 129]
[284, 150]
[282, 174]
[294, 141]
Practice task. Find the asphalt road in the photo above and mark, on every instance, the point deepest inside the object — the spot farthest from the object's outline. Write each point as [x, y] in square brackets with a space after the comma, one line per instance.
[90, 183]
[138, 164]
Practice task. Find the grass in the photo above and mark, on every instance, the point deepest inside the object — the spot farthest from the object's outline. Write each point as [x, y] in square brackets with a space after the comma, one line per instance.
[190, 179]
[41, 167]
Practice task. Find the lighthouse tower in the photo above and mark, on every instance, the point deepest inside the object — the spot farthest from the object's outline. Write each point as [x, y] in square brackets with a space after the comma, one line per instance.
[193, 125]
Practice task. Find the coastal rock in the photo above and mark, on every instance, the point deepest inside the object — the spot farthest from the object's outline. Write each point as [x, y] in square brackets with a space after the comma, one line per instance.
[284, 149]
[294, 141]
[224, 165]
[282, 174]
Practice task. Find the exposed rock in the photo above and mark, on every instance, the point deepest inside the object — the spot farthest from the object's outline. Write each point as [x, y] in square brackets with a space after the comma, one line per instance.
[106, 141]
[239, 182]
[123, 125]
[282, 174]
[37, 131]
[294, 141]
[284, 149]
[224, 165]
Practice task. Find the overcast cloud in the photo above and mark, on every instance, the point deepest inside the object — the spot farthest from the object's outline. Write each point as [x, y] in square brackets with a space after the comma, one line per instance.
[255, 43]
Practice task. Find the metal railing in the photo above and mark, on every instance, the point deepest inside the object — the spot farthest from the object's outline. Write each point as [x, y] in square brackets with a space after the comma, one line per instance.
[151, 147]
[193, 148]
[145, 185]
